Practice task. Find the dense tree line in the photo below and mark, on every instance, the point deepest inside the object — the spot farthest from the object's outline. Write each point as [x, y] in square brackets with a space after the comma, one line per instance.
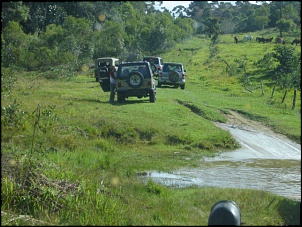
[42, 35]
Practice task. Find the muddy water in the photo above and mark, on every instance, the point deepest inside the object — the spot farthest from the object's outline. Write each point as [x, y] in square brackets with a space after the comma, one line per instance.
[264, 162]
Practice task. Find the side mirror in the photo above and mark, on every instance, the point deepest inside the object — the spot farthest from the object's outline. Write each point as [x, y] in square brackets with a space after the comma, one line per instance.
[225, 212]
[185, 70]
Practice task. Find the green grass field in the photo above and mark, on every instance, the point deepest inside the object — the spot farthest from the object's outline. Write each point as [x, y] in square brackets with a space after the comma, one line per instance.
[74, 159]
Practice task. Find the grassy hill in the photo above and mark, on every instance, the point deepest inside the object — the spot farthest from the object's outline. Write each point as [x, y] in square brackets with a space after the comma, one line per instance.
[71, 158]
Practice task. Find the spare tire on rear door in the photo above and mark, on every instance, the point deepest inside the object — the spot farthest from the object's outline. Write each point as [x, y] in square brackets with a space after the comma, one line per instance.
[135, 79]
[153, 68]
[173, 76]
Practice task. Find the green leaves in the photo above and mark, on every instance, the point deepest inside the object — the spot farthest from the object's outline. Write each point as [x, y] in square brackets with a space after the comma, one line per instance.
[289, 69]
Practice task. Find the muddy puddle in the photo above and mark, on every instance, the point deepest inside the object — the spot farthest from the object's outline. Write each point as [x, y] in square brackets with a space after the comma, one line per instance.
[265, 161]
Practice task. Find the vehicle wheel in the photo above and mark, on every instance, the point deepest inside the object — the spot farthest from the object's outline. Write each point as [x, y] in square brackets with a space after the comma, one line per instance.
[135, 79]
[174, 76]
[152, 96]
[120, 97]
[182, 87]
[153, 68]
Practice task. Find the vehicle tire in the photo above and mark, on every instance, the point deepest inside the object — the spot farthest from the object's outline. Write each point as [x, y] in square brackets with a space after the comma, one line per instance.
[120, 98]
[152, 96]
[135, 79]
[182, 87]
[174, 76]
[153, 68]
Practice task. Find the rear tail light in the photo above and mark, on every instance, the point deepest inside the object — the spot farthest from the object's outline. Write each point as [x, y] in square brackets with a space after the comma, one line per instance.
[184, 76]
[159, 67]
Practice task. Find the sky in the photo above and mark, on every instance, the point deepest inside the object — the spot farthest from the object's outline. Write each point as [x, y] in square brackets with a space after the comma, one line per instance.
[171, 4]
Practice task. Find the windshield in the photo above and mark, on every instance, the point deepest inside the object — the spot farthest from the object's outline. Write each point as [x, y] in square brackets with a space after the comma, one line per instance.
[170, 67]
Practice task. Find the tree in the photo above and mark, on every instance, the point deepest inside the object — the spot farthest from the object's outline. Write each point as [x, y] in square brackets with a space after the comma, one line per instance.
[261, 17]
[179, 11]
[14, 11]
[132, 26]
[285, 25]
[290, 10]
[110, 40]
[213, 29]
[288, 70]
[74, 41]
[53, 35]
[14, 46]
[42, 14]
[186, 26]
[160, 32]
[200, 12]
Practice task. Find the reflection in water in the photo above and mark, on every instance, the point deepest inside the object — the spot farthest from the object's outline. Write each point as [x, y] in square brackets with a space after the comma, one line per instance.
[264, 162]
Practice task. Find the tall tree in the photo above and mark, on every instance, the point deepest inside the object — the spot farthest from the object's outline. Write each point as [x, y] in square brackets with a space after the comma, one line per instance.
[14, 11]
[261, 17]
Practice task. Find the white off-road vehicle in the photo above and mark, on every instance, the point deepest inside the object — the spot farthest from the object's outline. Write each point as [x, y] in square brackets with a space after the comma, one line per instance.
[156, 64]
[102, 69]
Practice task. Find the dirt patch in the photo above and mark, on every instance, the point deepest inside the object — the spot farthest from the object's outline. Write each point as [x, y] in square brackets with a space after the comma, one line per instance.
[238, 121]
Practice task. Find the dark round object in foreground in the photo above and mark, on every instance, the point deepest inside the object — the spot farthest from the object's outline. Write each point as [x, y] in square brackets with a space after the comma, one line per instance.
[225, 212]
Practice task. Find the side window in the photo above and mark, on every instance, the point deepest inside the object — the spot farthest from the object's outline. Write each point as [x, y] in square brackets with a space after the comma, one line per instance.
[116, 63]
[142, 69]
[166, 68]
[102, 64]
[125, 72]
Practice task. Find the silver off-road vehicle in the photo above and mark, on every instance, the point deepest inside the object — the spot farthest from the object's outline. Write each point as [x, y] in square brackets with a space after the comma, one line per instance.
[156, 64]
[172, 74]
[135, 79]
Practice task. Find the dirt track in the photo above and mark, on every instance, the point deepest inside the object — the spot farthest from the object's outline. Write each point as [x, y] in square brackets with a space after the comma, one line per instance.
[238, 121]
